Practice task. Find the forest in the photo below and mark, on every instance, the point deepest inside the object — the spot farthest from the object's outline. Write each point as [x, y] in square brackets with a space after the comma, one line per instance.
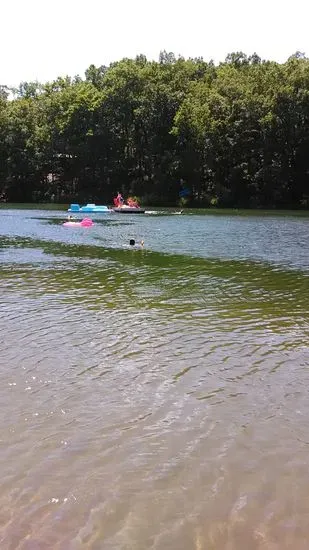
[173, 131]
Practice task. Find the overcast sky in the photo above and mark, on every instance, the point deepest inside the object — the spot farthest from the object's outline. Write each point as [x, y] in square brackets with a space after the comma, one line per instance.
[43, 39]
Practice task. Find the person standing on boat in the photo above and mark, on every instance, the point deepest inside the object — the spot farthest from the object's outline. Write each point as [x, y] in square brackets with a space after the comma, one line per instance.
[119, 199]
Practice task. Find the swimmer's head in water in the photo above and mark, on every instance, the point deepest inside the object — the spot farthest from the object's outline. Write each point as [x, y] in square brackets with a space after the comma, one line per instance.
[133, 243]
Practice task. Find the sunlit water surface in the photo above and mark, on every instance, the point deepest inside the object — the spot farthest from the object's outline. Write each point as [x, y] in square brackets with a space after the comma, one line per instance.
[157, 397]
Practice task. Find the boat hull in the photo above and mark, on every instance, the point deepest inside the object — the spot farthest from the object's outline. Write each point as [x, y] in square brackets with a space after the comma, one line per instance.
[129, 210]
[89, 209]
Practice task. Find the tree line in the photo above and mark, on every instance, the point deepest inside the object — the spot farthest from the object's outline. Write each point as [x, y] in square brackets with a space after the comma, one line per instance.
[176, 130]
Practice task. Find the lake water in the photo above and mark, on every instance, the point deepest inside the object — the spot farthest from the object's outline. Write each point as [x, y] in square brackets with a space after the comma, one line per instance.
[157, 397]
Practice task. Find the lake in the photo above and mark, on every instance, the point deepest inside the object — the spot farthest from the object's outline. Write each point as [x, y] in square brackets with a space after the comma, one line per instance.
[154, 397]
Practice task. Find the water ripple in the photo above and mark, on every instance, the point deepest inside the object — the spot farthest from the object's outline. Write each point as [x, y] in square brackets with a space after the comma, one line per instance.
[140, 386]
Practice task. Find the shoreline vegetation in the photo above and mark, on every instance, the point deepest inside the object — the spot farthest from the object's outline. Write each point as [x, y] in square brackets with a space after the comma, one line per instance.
[211, 211]
[176, 132]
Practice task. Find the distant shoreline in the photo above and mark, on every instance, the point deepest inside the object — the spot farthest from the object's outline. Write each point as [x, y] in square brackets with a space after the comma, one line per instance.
[196, 210]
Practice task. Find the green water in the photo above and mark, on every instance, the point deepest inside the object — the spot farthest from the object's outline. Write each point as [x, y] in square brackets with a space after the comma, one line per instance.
[156, 396]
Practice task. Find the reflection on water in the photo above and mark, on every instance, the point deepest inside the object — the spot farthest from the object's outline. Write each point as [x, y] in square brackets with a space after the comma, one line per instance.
[154, 399]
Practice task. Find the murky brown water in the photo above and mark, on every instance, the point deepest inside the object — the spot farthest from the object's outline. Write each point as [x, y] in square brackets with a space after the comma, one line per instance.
[154, 400]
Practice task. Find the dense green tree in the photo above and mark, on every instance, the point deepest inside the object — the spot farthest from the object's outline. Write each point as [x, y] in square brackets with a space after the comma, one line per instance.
[235, 134]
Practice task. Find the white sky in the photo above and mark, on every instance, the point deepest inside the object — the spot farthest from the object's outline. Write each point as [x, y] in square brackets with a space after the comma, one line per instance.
[43, 39]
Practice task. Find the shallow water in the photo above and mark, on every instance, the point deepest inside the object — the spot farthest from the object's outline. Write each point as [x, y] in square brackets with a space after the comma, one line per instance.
[156, 397]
